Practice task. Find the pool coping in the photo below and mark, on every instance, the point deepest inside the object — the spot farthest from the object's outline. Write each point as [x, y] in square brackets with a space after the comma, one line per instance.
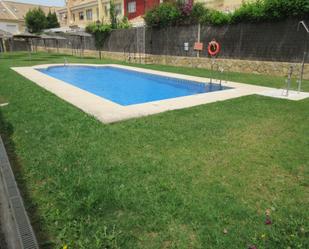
[108, 112]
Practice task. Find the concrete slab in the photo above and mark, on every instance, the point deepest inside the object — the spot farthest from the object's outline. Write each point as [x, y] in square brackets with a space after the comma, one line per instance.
[281, 94]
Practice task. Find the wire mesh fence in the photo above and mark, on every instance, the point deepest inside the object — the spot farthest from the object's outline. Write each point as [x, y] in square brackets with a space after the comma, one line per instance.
[277, 41]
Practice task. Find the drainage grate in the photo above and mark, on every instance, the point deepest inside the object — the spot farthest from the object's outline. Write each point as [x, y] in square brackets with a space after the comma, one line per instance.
[22, 222]
[26, 236]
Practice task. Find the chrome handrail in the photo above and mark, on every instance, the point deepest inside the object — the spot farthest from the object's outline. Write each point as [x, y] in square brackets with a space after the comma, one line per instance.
[301, 75]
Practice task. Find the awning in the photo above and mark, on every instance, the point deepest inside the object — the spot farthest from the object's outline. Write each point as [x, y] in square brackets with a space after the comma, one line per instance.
[63, 30]
[26, 35]
[51, 37]
[79, 33]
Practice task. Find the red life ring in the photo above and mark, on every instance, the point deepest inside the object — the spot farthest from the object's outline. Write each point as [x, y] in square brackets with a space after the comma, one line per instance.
[213, 48]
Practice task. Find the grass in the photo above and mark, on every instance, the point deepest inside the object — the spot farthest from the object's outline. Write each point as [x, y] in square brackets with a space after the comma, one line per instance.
[173, 180]
[2, 100]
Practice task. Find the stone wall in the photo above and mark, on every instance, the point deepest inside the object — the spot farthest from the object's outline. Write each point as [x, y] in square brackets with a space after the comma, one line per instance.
[229, 65]
[138, 58]
[233, 65]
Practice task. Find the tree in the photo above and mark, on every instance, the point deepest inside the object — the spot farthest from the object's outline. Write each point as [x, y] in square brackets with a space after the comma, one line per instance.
[112, 14]
[100, 33]
[52, 21]
[36, 20]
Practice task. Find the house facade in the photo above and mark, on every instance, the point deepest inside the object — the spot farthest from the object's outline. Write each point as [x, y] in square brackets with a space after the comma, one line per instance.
[81, 12]
[12, 15]
[135, 8]
[104, 8]
[223, 5]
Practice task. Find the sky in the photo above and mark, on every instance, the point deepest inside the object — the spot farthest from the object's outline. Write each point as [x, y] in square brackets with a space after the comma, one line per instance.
[43, 2]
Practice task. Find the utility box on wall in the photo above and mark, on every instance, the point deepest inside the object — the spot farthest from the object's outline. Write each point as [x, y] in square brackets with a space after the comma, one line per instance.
[186, 46]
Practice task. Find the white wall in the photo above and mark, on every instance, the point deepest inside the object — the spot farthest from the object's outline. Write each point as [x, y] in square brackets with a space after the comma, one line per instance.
[9, 27]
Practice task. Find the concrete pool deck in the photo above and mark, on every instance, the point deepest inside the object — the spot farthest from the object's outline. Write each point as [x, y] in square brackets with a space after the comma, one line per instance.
[109, 112]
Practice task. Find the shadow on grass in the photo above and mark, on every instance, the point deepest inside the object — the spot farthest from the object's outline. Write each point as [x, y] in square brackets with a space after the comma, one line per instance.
[6, 132]
[11, 55]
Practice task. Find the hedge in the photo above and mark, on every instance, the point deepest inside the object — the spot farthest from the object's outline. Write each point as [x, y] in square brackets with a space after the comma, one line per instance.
[179, 13]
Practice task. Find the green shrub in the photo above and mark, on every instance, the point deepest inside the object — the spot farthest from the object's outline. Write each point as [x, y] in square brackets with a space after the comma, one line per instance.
[166, 14]
[271, 10]
[172, 13]
[199, 11]
[280, 9]
[214, 17]
[249, 12]
[178, 12]
[124, 23]
[103, 29]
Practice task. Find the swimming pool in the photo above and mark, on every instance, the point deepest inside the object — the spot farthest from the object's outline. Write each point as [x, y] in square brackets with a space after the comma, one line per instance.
[127, 87]
[104, 91]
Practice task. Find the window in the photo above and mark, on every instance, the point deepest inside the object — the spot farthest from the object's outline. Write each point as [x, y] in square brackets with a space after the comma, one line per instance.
[118, 9]
[81, 15]
[132, 7]
[89, 14]
[63, 17]
[97, 13]
[73, 17]
[12, 28]
[106, 9]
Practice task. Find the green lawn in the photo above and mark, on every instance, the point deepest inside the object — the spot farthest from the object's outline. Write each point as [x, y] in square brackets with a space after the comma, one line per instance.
[173, 180]
[2, 100]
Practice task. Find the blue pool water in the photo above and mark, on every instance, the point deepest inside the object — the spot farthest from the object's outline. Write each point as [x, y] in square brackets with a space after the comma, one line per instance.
[127, 87]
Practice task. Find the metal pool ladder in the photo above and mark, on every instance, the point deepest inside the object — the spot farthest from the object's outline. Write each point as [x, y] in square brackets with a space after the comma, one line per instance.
[285, 91]
[220, 73]
[305, 56]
